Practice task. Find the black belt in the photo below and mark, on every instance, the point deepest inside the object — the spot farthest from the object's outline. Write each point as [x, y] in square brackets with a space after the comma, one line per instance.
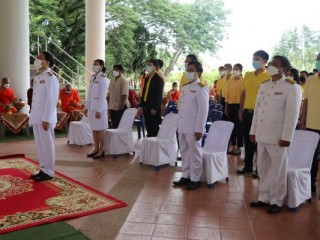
[248, 110]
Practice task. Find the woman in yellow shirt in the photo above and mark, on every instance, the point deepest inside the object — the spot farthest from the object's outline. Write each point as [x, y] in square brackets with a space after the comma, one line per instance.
[232, 108]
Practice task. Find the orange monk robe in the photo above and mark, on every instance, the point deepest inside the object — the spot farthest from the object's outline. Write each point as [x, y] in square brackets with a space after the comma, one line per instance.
[6, 97]
[68, 99]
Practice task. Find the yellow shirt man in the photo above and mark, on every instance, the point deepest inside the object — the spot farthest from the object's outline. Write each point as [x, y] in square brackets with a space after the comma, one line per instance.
[312, 96]
[251, 86]
[225, 85]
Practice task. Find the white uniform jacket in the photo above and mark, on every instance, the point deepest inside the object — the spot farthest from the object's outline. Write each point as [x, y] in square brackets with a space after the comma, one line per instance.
[44, 99]
[193, 110]
[276, 111]
[97, 94]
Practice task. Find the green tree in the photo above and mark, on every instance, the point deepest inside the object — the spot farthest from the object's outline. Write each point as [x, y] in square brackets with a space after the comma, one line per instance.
[300, 47]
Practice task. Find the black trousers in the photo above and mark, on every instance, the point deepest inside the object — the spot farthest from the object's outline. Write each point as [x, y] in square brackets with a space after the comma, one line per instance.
[315, 162]
[237, 132]
[249, 147]
[152, 122]
[116, 116]
[223, 103]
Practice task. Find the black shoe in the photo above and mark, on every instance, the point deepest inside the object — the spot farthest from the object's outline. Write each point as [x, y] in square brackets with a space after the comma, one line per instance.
[244, 171]
[274, 208]
[193, 185]
[258, 204]
[182, 182]
[43, 177]
[92, 154]
[99, 156]
[34, 176]
[255, 174]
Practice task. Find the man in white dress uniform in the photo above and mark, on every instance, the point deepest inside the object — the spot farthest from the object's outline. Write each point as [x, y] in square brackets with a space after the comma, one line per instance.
[43, 115]
[193, 112]
[274, 121]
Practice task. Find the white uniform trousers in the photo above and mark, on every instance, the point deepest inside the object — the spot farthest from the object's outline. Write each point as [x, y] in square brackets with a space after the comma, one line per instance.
[45, 145]
[191, 155]
[272, 166]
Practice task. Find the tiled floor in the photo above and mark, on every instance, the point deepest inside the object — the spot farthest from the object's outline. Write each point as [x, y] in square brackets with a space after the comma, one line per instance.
[164, 212]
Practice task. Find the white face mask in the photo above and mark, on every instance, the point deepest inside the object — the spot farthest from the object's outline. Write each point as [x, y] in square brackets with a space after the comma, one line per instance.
[115, 73]
[67, 92]
[6, 85]
[221, 73]
[37, 63]
[95, 68]
[191, 76]
[236, 73]
[272, 70]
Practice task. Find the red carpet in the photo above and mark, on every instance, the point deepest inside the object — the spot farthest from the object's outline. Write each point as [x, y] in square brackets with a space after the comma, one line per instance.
[25, 203]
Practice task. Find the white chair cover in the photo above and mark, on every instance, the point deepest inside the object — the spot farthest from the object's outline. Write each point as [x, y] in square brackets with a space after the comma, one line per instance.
[80, 132]
[301, 153]
[120, 140]
[162, 149]
[215, 160]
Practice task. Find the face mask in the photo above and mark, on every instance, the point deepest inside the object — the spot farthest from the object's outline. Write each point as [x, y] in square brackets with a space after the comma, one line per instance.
[190, 76]
[221, 73]
[236, 73]
[37, 63]
[6, 85]
[149, 68]
[225, 72]
[318, 66]
[186, 65]
[95, 68]
[175, 88]
[67, 92]
[272, 70]
[115, 73]
[256, 64]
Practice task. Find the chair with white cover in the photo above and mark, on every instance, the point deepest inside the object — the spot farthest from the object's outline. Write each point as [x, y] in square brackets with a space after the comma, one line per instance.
[162, 149]
[80, 132]
[215, 160]
[301, 153]
[120, 140]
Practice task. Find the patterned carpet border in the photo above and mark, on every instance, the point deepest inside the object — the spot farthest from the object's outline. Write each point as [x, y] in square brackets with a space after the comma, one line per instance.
[67, 189]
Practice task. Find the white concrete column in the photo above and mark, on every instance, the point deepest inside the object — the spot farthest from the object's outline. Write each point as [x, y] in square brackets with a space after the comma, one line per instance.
[95, 33]
[14, 46]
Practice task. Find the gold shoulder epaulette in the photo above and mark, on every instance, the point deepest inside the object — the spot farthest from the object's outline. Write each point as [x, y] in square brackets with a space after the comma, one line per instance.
[201, 84]
[50, 74]
[288, 80]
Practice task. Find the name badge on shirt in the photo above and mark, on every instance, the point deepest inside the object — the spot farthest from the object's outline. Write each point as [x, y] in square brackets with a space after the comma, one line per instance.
[278, 93]
[42, 81]
[193, 91]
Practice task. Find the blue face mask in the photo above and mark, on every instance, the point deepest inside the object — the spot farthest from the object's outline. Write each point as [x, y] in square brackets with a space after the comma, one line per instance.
[95, 68]
[256, 64]
[186, 65]
[318, 66]
[149, 68]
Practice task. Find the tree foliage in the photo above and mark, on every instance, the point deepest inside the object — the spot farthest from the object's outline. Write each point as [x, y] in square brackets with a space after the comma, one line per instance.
[300, 46]
[135, 29]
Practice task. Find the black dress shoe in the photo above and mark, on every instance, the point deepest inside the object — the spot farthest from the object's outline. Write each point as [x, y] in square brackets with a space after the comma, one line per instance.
[274, 208]
[92, 154]
[34, 176]
[99, 156]
[43, 177]
[182, 182]
[244, 171]
[193, 185]
[258, 204]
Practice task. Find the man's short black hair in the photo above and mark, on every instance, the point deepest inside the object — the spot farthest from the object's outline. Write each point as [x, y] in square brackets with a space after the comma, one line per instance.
[315, 70]
[198, 67]
[160, 63]
[49, 57]
[192, 57]
[154, 62]
[305, 72]
[228, 65]
[284, 62]
[118, 67]
[263, 54]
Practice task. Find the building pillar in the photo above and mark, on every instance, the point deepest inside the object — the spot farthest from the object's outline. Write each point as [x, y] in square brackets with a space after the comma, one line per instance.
[14, 46]
[95, 33]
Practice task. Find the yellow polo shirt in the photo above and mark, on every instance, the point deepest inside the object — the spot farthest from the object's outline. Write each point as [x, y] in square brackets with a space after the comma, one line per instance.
[312, 93]
[219, 82]
[185, 80]
[225, 85]
[251, 86]
[234, 91]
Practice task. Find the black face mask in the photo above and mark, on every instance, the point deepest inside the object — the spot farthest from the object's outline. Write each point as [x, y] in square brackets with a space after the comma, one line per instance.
[302, 79]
